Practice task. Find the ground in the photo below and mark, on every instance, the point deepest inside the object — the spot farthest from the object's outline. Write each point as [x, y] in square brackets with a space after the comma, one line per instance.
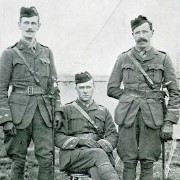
[32, 166]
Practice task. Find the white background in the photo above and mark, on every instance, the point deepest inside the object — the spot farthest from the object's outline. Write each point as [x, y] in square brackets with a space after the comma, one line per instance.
[69, 26]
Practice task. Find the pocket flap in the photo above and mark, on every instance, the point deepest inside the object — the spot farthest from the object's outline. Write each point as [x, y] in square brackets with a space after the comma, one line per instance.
[128, 66]
[100, 117]
[156, 66]
[17, 61]
[45, 60]
[18, 100]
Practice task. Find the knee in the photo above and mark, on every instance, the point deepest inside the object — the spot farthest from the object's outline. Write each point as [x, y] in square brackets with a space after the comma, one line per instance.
[44, 162]
[147, 164]
[99, 153]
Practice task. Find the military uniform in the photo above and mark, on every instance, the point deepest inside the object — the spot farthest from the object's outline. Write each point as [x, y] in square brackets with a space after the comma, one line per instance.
[28, 106]
[140, 111]
[76, 158]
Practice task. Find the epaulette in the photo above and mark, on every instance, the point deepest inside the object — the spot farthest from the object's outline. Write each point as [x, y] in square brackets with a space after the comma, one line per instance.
[43, 46]
[69, 103]
[162, 52]
[101, 107]
[10, 47]
[126, 51]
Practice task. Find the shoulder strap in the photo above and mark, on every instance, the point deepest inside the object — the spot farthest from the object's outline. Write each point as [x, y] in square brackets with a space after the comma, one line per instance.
[136, 63]
[85, 115]
[27, 64]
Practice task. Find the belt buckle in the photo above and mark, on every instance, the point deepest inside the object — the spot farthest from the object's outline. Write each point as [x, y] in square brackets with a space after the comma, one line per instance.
[30, 90]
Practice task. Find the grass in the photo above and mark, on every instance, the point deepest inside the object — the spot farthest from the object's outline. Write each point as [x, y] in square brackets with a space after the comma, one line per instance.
[31, 167]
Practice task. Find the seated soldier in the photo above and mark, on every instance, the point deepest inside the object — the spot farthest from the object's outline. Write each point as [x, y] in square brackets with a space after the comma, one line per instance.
[88, 134]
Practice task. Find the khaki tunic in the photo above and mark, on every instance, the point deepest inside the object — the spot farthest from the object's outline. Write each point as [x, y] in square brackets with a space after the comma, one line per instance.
[76, 126]
[20, 107]
[158, 66]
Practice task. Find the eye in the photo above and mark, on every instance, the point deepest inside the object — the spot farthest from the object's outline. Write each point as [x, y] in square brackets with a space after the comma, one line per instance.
[88, 87]
[33, 23]
[26, 23]
[138, 32]
[81, 87]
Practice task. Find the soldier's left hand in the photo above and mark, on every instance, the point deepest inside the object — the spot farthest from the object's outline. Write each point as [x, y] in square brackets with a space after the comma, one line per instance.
[57, 123]
[167, 130]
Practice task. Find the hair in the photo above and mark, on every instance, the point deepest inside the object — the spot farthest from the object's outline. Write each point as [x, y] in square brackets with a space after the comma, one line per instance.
[150, 25]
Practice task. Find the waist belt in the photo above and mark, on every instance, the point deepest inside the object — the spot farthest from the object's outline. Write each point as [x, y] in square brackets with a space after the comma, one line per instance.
[30, 90]
[155, 94]
[91, 136]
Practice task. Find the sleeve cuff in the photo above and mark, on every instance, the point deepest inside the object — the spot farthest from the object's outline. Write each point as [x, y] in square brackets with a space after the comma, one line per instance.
[106, 145]
[5, 116]
[172, 115]
[70, 143]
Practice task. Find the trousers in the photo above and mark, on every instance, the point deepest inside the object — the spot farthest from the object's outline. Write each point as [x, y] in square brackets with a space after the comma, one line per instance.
[138, 143]
[17, 146]
[94, 157]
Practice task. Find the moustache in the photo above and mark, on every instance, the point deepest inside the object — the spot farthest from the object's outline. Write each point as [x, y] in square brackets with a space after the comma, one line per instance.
[142, 40]
[29, 31]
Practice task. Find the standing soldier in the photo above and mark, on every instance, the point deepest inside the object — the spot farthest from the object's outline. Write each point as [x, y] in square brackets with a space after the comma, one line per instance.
[88, 134]
[29, 67]
[143, 70]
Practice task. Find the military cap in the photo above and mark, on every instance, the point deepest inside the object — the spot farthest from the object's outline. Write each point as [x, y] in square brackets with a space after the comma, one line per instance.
[82, 77]
[139, 21]
[28, 12]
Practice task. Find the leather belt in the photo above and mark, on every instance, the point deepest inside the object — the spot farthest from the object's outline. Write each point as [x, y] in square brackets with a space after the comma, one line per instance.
[30, 90]
[154, 94]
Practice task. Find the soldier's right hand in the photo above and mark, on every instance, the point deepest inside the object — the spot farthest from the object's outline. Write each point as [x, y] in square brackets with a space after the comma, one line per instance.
[88, 143]
[9, 129]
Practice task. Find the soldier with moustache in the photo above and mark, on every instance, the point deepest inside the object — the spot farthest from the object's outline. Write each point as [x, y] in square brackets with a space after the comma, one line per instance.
[27, 114]
[140, 115]
[88, 134]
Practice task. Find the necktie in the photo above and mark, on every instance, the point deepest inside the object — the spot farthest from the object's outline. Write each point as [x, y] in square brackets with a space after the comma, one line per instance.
[143, 53]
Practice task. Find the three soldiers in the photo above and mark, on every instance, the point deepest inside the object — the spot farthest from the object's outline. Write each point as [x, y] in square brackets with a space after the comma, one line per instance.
[88, 135]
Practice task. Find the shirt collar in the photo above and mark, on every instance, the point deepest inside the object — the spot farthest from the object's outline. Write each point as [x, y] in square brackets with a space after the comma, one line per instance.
[147, 49]
[91, 106]
[85, 104]
[31, 45]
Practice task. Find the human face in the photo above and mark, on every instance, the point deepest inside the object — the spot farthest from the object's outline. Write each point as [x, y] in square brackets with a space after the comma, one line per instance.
[85, 91]
[142, 35]
[29, 26]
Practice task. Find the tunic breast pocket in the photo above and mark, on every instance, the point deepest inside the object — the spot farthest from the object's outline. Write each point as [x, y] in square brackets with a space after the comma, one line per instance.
[44, 69]
[77, 124]
[128, 73]
[100, 121]
[155, 71]
[20, 70]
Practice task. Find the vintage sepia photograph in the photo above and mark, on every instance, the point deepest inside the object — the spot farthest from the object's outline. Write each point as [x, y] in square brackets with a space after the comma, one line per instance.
[89, 90]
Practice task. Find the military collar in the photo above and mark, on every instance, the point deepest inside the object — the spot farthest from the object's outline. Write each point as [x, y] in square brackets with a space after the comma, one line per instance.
[21, 45]
[150, 54]
[147, 49]
[30, 44]
[93, 105]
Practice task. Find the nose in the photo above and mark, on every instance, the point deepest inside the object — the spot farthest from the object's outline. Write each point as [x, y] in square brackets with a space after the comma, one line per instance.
[29, 26]
[85, 90]
[141, 34]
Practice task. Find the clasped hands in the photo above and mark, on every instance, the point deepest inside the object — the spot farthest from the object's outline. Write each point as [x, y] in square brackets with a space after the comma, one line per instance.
[89, 143]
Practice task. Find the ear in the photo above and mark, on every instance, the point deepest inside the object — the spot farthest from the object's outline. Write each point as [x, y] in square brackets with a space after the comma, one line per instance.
[39, 25]
[19, 25]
